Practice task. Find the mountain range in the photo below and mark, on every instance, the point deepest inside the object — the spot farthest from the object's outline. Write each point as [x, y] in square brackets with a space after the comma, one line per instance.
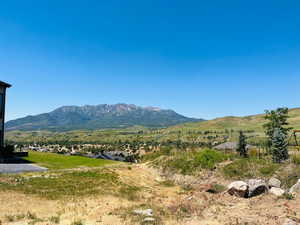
[99, 117]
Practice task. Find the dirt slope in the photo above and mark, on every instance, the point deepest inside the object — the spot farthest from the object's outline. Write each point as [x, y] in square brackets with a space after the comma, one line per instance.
[171, 204]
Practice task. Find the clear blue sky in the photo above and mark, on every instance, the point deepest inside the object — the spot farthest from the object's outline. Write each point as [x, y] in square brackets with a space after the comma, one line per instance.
[203, 59]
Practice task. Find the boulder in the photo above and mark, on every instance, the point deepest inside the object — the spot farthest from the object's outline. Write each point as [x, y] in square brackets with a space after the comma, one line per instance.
[238, 188]
[295, 189]
[274, 182]
[257, 187]
[276, 191]
[144, 212]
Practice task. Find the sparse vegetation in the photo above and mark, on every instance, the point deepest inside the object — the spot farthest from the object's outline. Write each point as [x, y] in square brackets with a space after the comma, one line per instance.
[167, 183]
[216, 188]
[288, 196]
[250, 168]
[77, 222]
[296, 159]
[188, 162]
[54, 219]
[73, 183]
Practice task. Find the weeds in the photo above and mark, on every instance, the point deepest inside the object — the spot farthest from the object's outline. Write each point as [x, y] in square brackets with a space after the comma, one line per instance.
[167, 183]
[296, 159]
[77, 222]
[68, 184]
[288, 196]
[129, 192]
[216, 188]
[250, 168]
[54, 219]
[189, 162]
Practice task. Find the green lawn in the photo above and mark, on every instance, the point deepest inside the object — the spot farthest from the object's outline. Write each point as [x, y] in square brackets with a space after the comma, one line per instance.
[54, 161]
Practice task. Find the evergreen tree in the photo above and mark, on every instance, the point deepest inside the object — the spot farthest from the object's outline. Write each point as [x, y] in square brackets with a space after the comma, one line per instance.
[242, 145]
[279, 146]
[277, 119]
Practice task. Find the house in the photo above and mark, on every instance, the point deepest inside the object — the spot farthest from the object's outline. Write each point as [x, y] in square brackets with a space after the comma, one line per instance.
[3, 87]
[231, 146]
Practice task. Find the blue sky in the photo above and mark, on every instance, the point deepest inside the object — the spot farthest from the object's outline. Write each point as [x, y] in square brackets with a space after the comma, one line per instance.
[203, 59]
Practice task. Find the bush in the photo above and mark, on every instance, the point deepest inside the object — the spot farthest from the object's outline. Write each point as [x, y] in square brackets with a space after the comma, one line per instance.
[189, 162]
[182, 164]
[208, 158]
[250, 168]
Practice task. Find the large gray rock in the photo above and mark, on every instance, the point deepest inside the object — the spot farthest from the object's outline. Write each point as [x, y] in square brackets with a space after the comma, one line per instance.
[295, 189]
[274, 182]
[276, 191]
[257, 187]
[238, 188]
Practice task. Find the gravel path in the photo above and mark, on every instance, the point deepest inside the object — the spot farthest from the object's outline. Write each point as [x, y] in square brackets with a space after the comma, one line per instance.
[20, 168]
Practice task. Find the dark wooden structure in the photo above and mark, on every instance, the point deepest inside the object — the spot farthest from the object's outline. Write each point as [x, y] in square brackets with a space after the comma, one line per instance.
[3, 87]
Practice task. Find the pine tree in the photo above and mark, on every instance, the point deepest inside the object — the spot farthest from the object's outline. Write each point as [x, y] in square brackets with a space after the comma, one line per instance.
[279, 146]
[242, 145]
[277, 119]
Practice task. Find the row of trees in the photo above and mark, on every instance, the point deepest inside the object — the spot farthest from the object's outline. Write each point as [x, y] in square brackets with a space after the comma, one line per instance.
[276, 130]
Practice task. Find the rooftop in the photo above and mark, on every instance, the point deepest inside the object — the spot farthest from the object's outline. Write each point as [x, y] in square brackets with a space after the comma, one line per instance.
[4, 84]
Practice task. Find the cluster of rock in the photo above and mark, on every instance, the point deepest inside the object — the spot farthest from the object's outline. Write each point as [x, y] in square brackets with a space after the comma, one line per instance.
[147, 213]
[254, 187]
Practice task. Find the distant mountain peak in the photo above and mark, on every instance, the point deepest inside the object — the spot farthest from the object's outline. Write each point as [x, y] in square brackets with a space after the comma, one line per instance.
[99, 117]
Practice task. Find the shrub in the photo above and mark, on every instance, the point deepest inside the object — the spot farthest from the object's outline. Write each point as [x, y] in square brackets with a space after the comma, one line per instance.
[181, 164]
[216, 188]
[250, 168]
[288, 196]
[208, 158]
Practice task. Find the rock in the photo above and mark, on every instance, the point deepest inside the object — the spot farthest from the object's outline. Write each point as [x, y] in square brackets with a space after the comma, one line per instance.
[276, 191]
[289, 222]
[257, 187]
[149, 219]
[295, 189]
[238, 188]
[146, 212]
[274, 182]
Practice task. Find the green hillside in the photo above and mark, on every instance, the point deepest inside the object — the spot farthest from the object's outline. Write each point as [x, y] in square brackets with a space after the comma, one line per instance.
[254, 122]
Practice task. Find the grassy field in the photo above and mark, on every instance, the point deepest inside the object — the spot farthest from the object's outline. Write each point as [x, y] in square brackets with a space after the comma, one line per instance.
[56, 161]
[91, 179]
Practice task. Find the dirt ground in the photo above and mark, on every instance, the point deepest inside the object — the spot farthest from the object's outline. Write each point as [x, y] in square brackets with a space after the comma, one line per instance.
[171, 204]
